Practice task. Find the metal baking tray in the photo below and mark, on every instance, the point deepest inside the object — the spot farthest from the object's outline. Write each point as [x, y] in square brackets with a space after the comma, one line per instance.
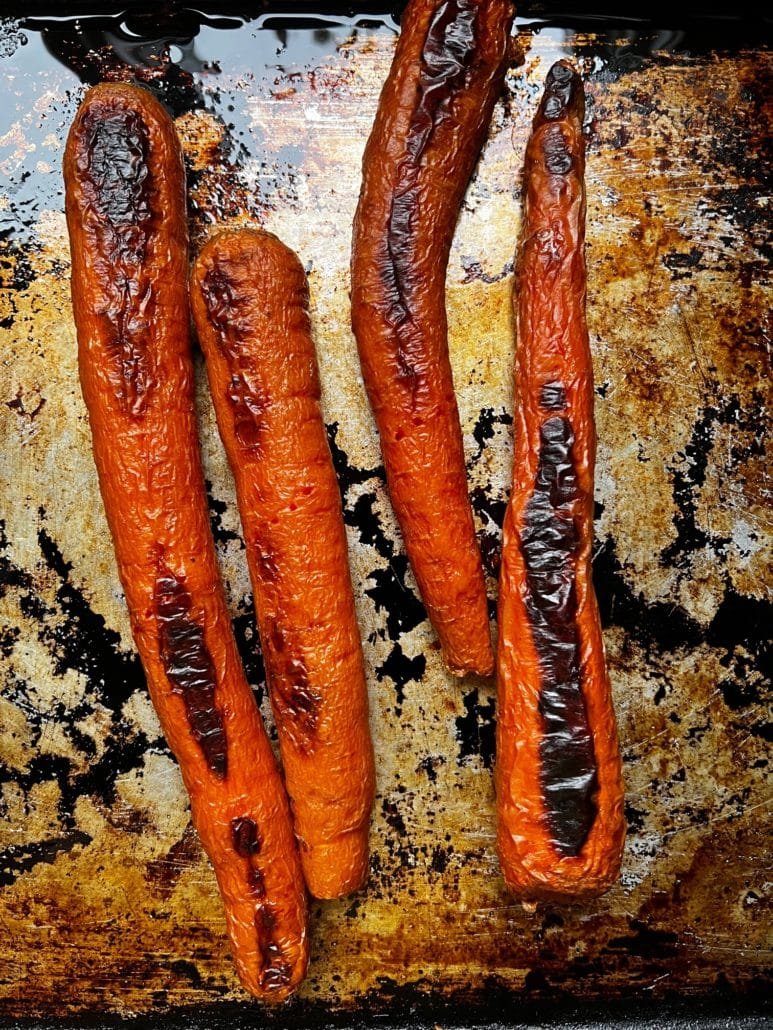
[108, 908]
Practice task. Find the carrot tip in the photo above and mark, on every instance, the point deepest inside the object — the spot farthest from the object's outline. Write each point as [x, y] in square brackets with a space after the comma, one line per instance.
[336, 869]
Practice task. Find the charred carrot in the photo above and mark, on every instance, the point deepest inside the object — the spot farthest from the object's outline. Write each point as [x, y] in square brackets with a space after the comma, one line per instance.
[559, 787]
[250, 302]
[432, 120]
[125, 200]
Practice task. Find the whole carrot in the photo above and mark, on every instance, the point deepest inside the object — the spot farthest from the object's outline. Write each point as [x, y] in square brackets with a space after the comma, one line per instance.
[125, 199]
[250, 302]
[559, 788]
[431, 122]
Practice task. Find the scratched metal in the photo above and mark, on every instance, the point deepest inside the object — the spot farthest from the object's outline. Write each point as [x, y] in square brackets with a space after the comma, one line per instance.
[107, 903]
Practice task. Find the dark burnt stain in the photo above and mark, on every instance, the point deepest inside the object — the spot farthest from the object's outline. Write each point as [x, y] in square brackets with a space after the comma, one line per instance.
[549, 542]
[430, 765]
[276, 971]
[486, 427]
[266, 560]
[401, 670]
[291, 688]
[689, 475]
[489, 503]
[476, 729]
[491, 511]
[555, 150]
[116, 166]
[189, 667]
[8, 637]
[245, 837]
[187, 969]
[473, 272]
[17, 859]
[247, 844]
[113, 159]
[248, 643]
[447, 54]
[552, 397]
[645, 942]
[560, 86]
[18, 406]
[248, 402]
[217, 510]
[682, 265]
[659, 627]
[77, 640]
[163, 873]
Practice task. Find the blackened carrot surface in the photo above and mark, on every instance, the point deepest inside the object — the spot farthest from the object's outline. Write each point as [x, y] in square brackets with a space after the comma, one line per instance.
[558, 773]
[125, 199]
[431, 123]
[250, 301]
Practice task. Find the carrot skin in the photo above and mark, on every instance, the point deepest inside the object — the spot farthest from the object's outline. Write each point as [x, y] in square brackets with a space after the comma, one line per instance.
[125, 203]
[558, 773]
[250, 303]
[431, 123]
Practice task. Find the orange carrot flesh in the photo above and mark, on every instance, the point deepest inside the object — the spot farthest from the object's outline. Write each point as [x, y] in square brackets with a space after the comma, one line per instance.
[250, 303]
[125, 201]
[431, 123]
[558, 773]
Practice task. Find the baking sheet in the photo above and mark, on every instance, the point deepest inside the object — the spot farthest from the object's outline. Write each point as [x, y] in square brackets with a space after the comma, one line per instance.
[107, 903]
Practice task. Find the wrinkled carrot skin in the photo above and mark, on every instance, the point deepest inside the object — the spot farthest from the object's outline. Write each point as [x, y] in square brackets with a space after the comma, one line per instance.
[431, 123]
[250, 302]
[560, 833]
[125, 201]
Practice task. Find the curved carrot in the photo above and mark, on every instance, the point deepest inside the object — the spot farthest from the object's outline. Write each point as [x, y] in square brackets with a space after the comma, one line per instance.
[559, 787]
[250, 301]
[431, 123]
[125, 199]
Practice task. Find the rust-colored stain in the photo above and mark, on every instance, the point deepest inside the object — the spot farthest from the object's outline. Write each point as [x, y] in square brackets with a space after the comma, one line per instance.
[107, 903]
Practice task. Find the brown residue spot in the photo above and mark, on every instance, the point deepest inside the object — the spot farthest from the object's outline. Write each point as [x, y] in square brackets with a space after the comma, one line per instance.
[163, 873]
[189, 667]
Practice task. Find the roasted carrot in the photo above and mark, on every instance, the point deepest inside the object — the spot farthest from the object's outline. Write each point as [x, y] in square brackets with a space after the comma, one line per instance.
[432, 119]
[125, 200]
[559, 788]
[250, 302]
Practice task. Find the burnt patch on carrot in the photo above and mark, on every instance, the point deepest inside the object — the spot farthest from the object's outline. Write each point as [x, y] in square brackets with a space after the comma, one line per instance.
[245, 837]
[447, 55]
[189, 667]
[558, 159]
[292, 691]
[115, 165]
[248, 402]
[552, 397]
[559, 87]
[549, 543]
[118, 185]
[247, 844]
[269, 570]
[276, 971]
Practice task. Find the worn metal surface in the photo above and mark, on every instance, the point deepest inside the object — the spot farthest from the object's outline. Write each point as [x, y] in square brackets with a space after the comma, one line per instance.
[107, 903]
